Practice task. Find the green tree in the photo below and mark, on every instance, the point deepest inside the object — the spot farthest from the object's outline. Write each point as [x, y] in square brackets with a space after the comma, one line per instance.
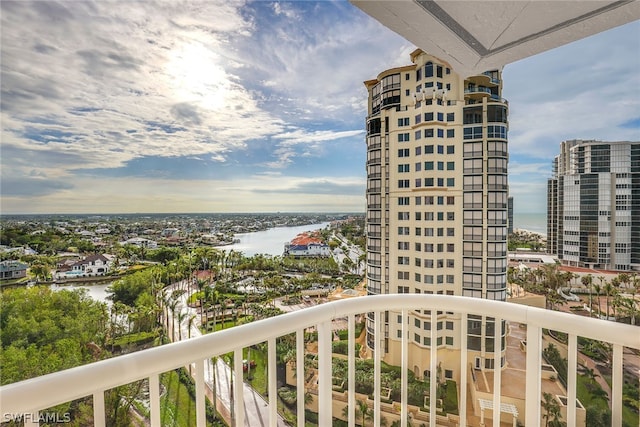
[363, 412]
[44, 331]
[41, 271]
[552, 415]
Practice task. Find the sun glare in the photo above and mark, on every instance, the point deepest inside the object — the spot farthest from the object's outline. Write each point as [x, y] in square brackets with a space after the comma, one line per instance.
[196, 76]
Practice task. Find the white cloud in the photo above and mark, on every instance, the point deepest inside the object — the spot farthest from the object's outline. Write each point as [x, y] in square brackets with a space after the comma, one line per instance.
[584, 90]
[124, 85]
[266, 192]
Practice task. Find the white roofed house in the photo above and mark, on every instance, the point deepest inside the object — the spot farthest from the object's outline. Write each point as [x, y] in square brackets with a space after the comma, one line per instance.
[93, 265]
[141, 242]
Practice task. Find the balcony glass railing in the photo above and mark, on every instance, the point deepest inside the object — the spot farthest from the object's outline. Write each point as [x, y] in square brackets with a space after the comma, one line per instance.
[34, 395]
[476, 89]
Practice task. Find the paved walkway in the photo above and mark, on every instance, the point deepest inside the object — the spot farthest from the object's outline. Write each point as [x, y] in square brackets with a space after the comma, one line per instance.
[256, 408]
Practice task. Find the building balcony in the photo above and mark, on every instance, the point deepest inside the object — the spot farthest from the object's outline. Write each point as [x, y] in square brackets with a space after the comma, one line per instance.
[477, 90]
[37, 394]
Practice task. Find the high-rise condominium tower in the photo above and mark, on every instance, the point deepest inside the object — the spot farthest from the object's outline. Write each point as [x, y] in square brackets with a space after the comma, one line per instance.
[594, 205]
[436, 204]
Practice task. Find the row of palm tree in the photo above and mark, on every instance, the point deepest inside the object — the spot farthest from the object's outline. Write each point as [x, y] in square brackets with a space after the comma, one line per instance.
[548, 279]
[613, 288]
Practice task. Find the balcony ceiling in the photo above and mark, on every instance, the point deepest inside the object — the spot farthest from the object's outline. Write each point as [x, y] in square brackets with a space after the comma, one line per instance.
[475, 36]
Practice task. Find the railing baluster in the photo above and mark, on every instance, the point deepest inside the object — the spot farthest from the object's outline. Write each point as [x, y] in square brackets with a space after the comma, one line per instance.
[463, 370]
[572, 366]
[273, 386]
[377, 357]
[201, 412]
[99, 415]
[351, 398]
[238, 388]
[616, 386]
[324, 375]
[300, 376]
[154, 399]
[497, 369]
[404, 379]
[51, 390]
[433, 367]
[532, 385]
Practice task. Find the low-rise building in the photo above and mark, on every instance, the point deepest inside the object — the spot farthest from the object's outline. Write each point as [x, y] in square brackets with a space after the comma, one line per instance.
[12, 269]
[305, 244]
[93, 265]
[141, 243]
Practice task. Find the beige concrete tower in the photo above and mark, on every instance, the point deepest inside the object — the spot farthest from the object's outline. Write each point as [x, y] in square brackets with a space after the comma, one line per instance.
[436, 205]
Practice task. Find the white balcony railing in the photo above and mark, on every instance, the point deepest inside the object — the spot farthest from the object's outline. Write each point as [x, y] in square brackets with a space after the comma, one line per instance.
[36, 394]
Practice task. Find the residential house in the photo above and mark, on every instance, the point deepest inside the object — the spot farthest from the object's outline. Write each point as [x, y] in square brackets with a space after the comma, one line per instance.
[12, 269]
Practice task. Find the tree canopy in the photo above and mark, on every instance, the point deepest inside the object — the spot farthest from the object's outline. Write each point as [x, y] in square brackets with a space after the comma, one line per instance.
[45, 331]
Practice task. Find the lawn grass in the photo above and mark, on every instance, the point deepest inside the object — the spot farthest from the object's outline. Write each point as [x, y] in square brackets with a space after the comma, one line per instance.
[259, 375]
[585, 396]
[629, 417]
[177, 409]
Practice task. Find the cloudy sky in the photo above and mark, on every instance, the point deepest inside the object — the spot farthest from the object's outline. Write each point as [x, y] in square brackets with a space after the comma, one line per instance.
[224, 106]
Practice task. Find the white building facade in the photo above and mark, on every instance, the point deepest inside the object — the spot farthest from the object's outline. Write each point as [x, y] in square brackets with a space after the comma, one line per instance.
[594, 205]
[436, 205]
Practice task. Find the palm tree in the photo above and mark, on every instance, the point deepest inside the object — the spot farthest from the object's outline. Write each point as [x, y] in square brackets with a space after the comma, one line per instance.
[597, 288]
[628, 306]
[551, 408]
[624, 279]
[190, 323]
[201, 284]
[181, 316]
[589, 374]
[587, 281]
[608, 290]
[362, 409]
[40, 271]
[173, 305]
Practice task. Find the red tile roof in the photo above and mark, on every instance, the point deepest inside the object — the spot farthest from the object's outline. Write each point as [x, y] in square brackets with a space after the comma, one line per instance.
[305, 239]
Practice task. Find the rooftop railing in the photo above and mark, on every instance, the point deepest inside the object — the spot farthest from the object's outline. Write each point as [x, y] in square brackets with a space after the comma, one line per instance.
[94, 379]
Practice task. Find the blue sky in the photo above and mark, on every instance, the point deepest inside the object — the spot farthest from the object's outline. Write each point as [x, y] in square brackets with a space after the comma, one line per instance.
[250, 107]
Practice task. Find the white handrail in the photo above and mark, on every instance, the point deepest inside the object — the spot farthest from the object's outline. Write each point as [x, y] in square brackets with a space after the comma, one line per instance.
[59, 387]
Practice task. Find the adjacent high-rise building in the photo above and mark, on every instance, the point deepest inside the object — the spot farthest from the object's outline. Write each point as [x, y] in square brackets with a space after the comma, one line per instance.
[436, 204]
[510, 214]
[594, 205]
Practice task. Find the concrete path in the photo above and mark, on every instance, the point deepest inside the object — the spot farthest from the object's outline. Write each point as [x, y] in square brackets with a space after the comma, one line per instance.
[256, 408]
